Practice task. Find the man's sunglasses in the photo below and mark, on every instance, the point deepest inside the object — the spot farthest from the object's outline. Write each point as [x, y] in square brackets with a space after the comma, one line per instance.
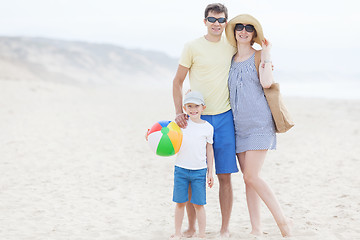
[212, 19]
[240, 27]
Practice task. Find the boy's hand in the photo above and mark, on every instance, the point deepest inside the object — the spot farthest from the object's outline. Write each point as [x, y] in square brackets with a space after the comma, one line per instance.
[210, 181]
[147, 134]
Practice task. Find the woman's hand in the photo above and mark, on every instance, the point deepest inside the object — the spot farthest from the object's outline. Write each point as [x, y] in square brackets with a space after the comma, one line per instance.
[265, 53]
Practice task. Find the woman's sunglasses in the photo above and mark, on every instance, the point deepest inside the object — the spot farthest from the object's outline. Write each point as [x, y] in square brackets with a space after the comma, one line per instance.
[212, 19]
[240, 27]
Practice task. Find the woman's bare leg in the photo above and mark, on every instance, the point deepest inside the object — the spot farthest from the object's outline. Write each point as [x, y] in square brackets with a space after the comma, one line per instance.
[252, 166]
[253, 201]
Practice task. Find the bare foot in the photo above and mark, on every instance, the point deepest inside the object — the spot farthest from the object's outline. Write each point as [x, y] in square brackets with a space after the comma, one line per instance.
[225, 234]
[286, 228]
[201, 235]
[189, 233]
[256, 232]
[174, 236]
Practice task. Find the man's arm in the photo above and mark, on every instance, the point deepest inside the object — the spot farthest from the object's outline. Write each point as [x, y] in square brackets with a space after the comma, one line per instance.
[178, 81]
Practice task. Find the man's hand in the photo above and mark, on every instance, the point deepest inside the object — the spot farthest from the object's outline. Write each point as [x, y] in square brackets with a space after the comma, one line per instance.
[181, 120]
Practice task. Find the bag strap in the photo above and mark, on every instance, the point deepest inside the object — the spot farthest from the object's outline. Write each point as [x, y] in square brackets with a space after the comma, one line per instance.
[257, 61]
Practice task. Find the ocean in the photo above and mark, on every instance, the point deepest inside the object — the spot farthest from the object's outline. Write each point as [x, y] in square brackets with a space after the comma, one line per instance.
[319, 85]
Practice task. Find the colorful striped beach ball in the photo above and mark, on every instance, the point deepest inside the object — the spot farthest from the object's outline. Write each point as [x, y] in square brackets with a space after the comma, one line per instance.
[165, 138]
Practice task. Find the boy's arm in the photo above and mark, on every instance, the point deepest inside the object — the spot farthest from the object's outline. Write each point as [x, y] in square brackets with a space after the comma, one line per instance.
[210, 164]
[178, 81]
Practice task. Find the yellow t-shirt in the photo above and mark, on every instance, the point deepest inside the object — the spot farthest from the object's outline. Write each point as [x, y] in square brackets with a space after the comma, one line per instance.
[209, 65]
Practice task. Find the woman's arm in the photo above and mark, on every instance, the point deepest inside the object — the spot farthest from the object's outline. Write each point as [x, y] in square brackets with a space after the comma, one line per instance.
[265, 71]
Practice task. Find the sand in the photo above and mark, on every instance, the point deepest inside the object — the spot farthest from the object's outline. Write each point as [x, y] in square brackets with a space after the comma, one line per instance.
[75, 165]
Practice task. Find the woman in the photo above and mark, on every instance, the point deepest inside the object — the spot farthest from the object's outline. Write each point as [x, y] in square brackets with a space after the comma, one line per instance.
[254, 125]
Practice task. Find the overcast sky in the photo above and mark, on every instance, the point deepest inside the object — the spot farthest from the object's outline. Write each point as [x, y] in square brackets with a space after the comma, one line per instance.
[166, 25]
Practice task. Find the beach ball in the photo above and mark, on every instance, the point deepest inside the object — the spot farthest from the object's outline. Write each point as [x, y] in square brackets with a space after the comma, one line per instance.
[165, 138]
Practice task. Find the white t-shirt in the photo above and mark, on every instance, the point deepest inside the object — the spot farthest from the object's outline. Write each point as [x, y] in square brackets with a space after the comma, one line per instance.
[192, 153]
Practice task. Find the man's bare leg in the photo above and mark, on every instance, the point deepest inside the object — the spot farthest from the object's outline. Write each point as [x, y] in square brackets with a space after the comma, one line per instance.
[226, 202]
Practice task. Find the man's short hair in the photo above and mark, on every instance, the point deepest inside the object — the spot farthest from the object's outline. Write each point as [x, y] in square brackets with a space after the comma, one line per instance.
[217, 8]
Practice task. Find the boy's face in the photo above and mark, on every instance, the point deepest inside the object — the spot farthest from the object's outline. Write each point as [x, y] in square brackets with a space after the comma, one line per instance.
[215, 28]
[194, 110]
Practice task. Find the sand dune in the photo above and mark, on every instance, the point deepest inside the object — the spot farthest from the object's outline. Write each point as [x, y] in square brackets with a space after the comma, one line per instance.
[74, 165]
[34, 59]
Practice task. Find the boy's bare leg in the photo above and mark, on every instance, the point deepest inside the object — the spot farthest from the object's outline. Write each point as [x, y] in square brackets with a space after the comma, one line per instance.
[190, 210]
[179, 216]
[226, 202]
[201, 217]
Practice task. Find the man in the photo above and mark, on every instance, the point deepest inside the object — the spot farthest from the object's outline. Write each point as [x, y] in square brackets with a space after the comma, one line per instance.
[208, 60]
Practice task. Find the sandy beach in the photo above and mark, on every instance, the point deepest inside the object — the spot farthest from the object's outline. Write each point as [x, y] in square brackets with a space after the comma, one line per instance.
[75, 165]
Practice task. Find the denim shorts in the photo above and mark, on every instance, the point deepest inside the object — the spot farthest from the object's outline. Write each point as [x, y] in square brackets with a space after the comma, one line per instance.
[196, 178]
[224, 142]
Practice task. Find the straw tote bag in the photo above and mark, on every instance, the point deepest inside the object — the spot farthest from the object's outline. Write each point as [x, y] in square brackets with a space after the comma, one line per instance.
[281, 116]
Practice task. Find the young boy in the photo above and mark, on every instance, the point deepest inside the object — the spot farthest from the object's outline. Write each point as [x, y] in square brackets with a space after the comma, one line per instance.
[194, 160]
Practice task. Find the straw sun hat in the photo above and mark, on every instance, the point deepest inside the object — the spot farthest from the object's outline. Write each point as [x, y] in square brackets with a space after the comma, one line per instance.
[244, 19]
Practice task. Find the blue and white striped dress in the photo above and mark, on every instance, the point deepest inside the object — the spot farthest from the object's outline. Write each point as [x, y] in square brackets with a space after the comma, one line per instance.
[254, 125]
